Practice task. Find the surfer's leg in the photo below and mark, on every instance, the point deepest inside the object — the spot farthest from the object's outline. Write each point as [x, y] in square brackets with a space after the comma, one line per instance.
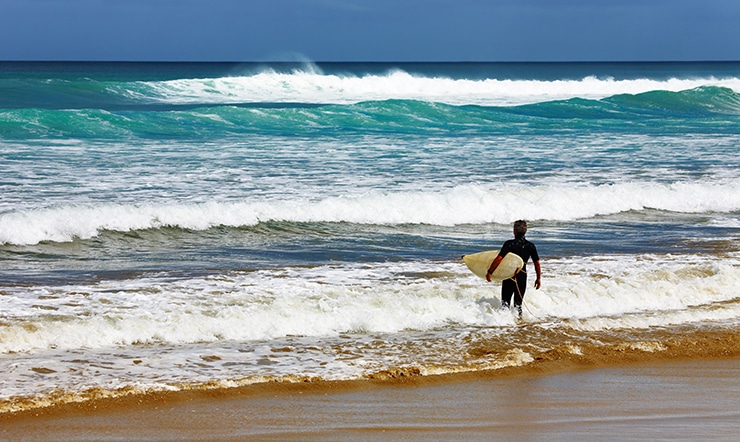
[520, 287]
[507, 290]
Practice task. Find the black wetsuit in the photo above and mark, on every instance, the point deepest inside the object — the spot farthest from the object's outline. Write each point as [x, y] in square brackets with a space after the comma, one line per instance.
[525, 250]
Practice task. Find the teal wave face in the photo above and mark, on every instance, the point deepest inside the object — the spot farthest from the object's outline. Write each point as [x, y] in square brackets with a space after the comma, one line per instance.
[34, 93]
[707, 108]
[695, 103]
[705, 101]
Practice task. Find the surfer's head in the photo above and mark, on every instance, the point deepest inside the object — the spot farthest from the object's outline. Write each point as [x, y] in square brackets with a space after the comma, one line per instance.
[520, 228]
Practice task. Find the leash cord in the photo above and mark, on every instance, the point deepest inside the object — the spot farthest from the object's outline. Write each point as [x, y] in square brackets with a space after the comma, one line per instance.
[521, 297]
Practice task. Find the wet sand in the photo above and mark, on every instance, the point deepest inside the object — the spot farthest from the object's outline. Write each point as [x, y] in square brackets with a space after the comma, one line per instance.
[689, 400]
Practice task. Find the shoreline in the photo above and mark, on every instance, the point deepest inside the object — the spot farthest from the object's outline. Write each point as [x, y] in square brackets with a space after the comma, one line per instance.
[656, 347]
[651, 398]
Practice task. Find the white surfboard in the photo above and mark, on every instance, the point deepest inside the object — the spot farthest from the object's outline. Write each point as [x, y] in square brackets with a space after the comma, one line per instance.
[479, 263]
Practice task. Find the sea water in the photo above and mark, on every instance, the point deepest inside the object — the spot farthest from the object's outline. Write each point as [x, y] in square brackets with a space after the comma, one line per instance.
[183, 226]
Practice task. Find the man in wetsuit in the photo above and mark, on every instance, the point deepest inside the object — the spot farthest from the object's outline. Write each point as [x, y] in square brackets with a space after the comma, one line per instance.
[518, 285]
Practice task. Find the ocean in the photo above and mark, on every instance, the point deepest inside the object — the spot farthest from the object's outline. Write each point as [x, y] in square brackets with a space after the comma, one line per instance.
[194, 226]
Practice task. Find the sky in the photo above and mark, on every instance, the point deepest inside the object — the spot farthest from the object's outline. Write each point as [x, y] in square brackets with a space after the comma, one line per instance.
[370, 30]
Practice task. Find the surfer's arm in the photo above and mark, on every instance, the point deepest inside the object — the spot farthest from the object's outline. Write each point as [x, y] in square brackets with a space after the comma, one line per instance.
[494, 264]
[537, 269]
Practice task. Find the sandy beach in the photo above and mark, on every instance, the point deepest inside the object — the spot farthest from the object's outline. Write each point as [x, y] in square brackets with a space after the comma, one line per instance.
[688, 400]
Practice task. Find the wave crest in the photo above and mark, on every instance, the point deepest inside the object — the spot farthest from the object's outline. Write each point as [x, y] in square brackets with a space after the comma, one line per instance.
[317, 88]
[468, 204]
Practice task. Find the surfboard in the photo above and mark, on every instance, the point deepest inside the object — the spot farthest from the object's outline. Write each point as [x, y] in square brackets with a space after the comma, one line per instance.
[478, 263]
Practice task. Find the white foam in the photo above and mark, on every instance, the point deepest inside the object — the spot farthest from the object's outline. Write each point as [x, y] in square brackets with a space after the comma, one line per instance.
[626, 291]
[331, 322]
[315, 87]
[467, 204]
[640, 291]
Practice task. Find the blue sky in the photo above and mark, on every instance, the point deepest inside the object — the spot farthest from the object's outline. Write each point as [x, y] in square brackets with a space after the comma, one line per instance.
[370, 30]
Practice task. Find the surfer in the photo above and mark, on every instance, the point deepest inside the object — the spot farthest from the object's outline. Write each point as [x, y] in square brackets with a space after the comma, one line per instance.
[518, 284]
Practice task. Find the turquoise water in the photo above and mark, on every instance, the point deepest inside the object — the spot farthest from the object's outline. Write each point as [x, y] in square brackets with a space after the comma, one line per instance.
[226, 209]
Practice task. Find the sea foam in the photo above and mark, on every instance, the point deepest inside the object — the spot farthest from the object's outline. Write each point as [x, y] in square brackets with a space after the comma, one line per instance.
[466, 204]
[598, 292]
[317, 88]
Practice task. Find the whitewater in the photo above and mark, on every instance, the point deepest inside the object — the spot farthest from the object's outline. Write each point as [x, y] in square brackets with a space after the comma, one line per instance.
[470, 204]
[195, 226]
[318, 88]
